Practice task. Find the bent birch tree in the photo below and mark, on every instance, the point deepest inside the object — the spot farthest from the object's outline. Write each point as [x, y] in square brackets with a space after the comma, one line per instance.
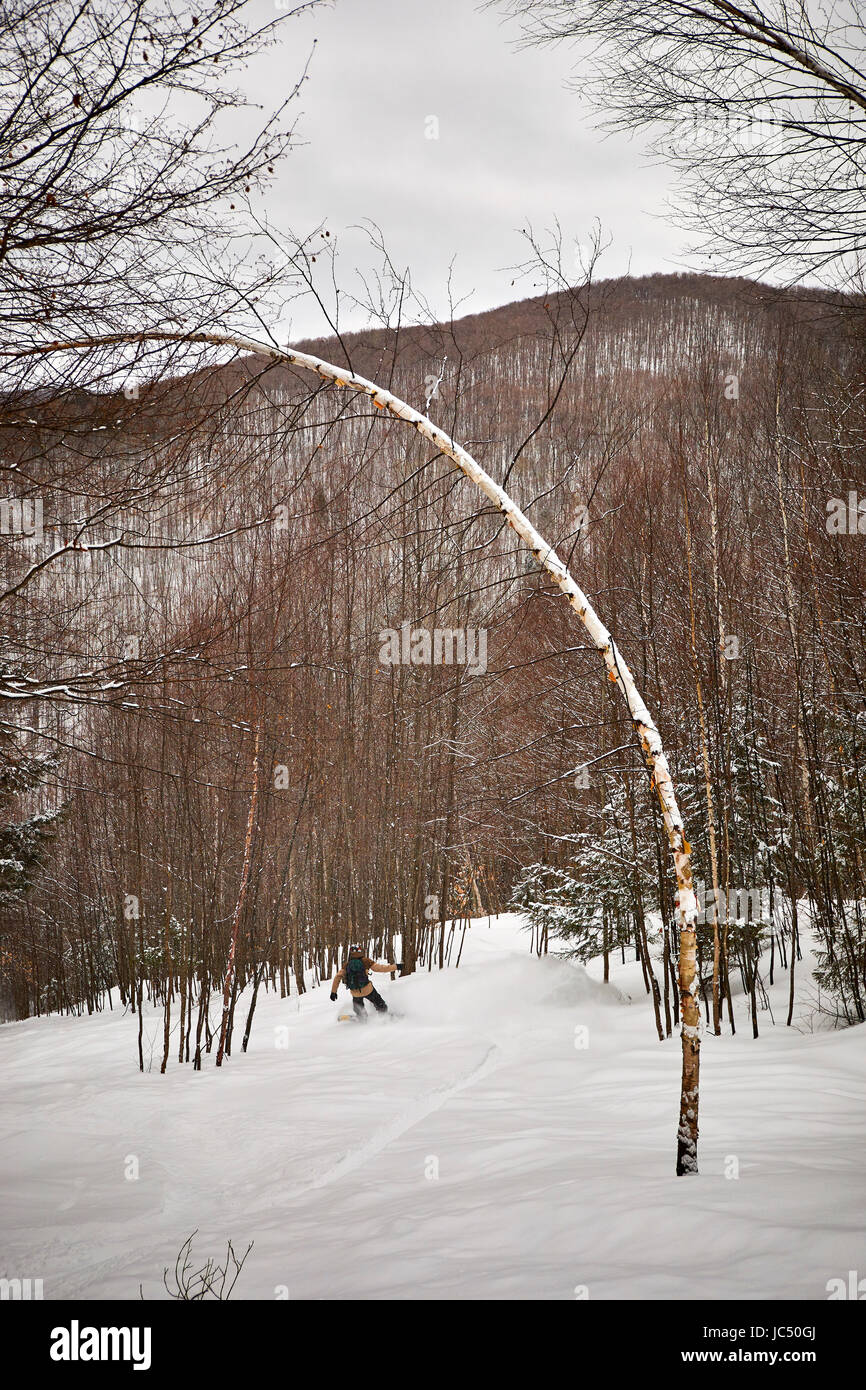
[617, 669]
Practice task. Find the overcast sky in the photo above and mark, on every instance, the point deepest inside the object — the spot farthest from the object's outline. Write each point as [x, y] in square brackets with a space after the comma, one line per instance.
[515, 146]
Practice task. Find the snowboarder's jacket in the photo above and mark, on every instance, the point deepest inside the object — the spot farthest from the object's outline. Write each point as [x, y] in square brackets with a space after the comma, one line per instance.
[354, 975]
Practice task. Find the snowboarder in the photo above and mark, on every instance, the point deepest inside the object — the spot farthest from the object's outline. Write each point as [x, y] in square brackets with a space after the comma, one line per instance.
[354, 976]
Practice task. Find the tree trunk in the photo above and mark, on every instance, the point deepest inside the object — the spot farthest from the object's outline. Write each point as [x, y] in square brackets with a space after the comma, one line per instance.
[245, 874]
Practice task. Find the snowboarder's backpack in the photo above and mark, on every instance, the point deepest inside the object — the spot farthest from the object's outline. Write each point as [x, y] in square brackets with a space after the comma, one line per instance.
[356, 973]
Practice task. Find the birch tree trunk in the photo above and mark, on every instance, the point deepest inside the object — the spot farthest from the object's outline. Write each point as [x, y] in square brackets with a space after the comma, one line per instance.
[617, 672]
[228, 990]
[705, 759]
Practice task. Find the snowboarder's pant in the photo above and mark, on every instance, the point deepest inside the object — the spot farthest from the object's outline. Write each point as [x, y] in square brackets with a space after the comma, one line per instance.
[375, 999]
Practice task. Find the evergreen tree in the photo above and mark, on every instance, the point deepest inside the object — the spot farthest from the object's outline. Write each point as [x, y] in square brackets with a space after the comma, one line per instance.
[22, 842]
[590, 903]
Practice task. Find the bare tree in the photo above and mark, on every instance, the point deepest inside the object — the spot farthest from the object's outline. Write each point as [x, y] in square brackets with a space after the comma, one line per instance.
[761, 106]
[126, 199]
[125, 189]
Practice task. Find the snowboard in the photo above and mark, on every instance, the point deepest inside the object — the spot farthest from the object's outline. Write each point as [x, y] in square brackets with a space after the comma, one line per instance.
[352, 1017]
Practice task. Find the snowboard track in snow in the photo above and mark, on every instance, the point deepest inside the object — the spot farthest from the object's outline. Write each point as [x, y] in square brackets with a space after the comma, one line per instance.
[408, 1117]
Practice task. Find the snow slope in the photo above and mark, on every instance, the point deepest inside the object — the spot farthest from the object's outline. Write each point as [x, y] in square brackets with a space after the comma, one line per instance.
[554, 1161]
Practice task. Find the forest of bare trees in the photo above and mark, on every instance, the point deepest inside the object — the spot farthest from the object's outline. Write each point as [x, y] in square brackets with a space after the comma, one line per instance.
[696, 459]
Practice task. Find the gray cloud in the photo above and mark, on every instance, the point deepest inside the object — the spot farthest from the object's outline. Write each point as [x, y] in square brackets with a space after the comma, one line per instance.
[515, 146]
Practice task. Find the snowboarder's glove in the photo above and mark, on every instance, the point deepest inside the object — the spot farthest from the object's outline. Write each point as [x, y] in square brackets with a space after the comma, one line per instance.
[399, 965]
[333, 998]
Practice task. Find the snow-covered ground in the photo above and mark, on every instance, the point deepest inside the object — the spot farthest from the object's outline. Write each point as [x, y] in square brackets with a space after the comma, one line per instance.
[473, 1148]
